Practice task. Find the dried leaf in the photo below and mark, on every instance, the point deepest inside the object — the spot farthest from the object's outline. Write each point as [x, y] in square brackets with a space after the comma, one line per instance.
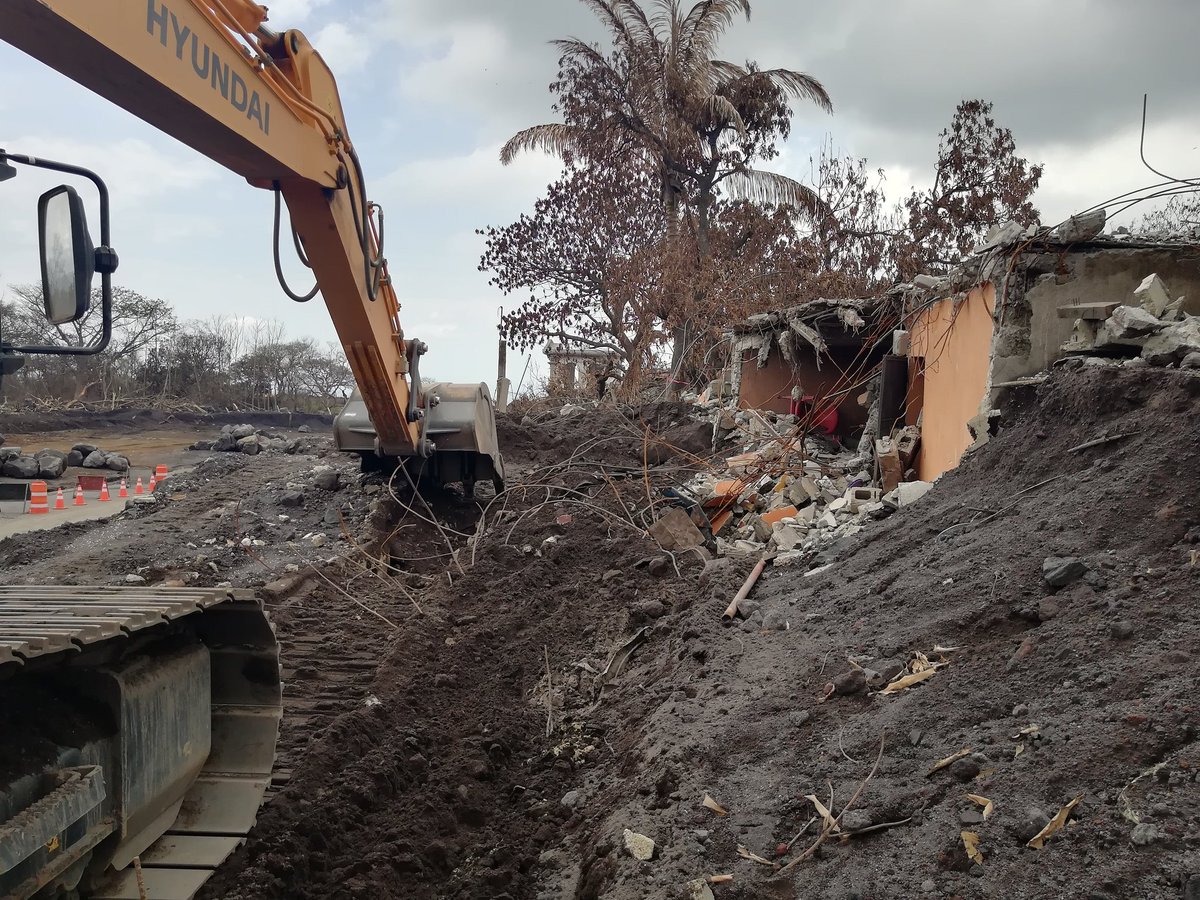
[988, 806]
[745, 853]
[715, 806]
[1027, 731]
[1018, 750]
[953, 758]
[971, 841]
[920, 663]
[830, 822]
[940, 649]
[906, 681]
[1054, 826]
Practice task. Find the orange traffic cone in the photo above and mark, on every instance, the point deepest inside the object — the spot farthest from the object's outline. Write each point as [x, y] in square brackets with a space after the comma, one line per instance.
[59, 502]
[38, 504]
[138, 489]
[153, 484]
[124, 491]
[104, 498]
[79, 498]
[160, 474]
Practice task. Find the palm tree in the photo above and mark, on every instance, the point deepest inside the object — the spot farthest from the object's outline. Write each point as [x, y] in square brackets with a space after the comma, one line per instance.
[695, 120]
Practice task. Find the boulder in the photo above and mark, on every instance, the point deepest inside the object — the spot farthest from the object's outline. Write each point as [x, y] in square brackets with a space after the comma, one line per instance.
[303, 429]
[75, 458]
[95, 460]
[226, 443]
[327, 481]
[1059, 571]
[291, 498]
[249, 444]
[7, 453]
[85, 449]
[1173, 343]
[202, 445]
[21, 467]
[51, 466]
[116, 462]
[46, 451]
[242, 431]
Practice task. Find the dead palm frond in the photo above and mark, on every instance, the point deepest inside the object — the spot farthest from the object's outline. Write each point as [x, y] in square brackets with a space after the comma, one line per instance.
[773, 189]
[554, 138]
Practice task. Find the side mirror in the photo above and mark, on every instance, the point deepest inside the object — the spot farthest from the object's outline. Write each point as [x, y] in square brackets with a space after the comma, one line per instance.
[68, 256]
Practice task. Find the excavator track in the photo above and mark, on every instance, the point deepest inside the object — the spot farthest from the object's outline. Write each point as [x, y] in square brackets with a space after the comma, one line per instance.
[135, 723]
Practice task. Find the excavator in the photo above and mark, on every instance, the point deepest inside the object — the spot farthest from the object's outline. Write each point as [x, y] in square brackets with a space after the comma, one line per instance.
[138, 724]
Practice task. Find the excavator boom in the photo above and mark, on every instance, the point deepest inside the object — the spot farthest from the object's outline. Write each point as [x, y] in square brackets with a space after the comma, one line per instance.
[173, 696]
[265, 105]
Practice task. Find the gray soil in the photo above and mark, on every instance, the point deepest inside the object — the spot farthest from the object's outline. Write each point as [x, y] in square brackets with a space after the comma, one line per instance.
[465, 750]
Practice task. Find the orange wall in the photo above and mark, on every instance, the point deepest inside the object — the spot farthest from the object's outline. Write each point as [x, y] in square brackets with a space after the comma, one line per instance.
[955, 341]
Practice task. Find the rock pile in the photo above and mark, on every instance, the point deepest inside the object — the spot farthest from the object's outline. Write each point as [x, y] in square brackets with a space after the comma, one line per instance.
[249, 440]
[785, 496]
[1149, 327]
[47, 463]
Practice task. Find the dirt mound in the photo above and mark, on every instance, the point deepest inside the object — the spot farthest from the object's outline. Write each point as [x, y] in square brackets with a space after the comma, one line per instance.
[450, 786]
[624, 436]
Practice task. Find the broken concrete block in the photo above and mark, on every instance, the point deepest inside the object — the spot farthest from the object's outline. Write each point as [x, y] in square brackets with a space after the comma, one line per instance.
[907, 441]
[639, 846]
[803, 490]
[1130, 322]
[889, 462]
[982, 427]
[675, 530]
[1191, 361]
[909, 492]
[828, 520]
[841, 503]
[1152, 296]
[858, 497]
[1083, 227]
[760, 528]
[1173, 343]
[789, 537]
[1083, 336]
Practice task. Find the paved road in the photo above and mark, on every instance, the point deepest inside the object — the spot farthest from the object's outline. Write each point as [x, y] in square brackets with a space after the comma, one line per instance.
[13, 521]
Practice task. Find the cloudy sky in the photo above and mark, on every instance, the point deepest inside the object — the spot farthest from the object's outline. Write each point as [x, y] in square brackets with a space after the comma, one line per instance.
[432, 88]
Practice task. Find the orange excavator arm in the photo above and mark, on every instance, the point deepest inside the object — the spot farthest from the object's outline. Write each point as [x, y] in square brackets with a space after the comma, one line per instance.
[265, 105]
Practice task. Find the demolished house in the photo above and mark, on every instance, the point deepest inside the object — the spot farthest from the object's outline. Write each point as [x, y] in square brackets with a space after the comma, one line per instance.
[1029, 299]
[819, 350]
[917, 377]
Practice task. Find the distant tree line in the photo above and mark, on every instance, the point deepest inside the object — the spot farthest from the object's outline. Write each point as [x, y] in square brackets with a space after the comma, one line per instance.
[154, 357]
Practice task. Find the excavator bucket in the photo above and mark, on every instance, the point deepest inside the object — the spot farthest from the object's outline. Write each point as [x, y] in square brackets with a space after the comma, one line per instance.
[460, 421]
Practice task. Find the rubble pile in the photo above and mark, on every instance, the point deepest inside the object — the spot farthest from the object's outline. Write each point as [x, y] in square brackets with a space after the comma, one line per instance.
[49, 463]
[1150, 328]
[789, 497]
[251, 440]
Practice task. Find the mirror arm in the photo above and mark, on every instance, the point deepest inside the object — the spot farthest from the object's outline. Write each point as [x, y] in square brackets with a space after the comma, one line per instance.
[106, 259]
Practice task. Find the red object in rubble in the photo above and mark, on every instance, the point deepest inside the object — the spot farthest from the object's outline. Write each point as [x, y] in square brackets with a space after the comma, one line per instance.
[825, 423]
